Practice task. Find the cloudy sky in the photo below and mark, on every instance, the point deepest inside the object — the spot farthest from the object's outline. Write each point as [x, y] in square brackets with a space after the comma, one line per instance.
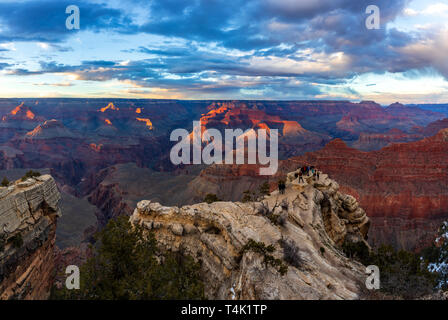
[226, 49]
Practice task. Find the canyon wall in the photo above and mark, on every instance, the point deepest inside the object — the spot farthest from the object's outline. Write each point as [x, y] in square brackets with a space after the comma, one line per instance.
[403, 187]
[28, 216]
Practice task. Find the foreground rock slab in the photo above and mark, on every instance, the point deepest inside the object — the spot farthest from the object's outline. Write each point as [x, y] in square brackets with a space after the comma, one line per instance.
[306, 225]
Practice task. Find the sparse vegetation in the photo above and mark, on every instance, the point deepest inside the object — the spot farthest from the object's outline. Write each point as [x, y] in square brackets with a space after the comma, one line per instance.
[276, 219]
[31, 174]
[403, 274]
[248, 196]
[264, 189]
[5, 182]
[291, 253]
[357, 250]
[265, 251]
[211, 197]
[252, 196]
[127, 265]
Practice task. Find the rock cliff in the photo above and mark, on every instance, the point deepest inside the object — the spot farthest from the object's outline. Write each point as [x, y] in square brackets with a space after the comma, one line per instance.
[403, 187]
[28, 215]
[244, 248]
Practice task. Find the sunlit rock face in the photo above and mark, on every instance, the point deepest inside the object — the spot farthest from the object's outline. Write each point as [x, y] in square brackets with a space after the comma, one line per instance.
[305, 225]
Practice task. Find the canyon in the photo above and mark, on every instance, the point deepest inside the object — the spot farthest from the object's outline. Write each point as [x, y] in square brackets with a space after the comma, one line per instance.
[106, 156]
[93, 146]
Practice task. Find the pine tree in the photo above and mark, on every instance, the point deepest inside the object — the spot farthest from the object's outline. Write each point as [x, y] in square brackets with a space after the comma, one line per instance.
[5, 182]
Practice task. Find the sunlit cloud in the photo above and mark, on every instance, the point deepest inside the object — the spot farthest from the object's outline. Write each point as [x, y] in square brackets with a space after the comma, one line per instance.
[259, 49]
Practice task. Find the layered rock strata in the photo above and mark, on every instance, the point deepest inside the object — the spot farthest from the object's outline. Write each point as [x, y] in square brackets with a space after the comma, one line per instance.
[28, 215]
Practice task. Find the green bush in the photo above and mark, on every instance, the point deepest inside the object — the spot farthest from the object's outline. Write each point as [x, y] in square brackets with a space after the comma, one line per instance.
[403, 274]
[264, 250]
[31, 174]
[5, 182]
[211, 197]
[356, 250]
[126, 266]
[248, 196]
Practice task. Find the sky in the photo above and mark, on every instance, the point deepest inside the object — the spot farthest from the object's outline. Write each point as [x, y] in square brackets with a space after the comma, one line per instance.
[221, 49]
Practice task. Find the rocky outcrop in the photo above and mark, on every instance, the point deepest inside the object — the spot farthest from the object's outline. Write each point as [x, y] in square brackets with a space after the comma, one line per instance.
[293, 138]
[305, 227]
[28, 215]
[50, 129]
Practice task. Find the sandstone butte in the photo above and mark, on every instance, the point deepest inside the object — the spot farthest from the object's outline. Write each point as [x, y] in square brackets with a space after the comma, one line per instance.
[315, 220]
[28, 211]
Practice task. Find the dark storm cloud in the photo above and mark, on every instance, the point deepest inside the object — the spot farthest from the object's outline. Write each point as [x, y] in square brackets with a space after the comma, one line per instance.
[44, 20]
[244, 24]
[326, 26]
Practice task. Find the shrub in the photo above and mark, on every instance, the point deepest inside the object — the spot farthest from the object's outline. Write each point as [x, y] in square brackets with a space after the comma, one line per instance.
[2, 245]
[5, 182]
[264, 250]
[264, 189]
[248, 196]
[127, 265]
[291, 253]
[276, 219]
[322, 250]
[403, 273]
[31, 174]
[356, 250]
[211, 197]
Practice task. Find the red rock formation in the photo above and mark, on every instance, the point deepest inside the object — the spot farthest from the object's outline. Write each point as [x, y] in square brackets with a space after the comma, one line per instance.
[293, 140]
[22, 113]
[403, 187]
[434, 127]
[376, 141]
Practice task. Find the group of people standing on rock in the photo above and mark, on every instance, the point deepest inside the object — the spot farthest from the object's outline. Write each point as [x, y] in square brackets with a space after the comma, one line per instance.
[307, 171]
[303, 171]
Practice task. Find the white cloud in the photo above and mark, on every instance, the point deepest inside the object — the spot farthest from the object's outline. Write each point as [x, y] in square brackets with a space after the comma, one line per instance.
[43, 45]
[410, 12]
[436, 9]
[8, 46]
